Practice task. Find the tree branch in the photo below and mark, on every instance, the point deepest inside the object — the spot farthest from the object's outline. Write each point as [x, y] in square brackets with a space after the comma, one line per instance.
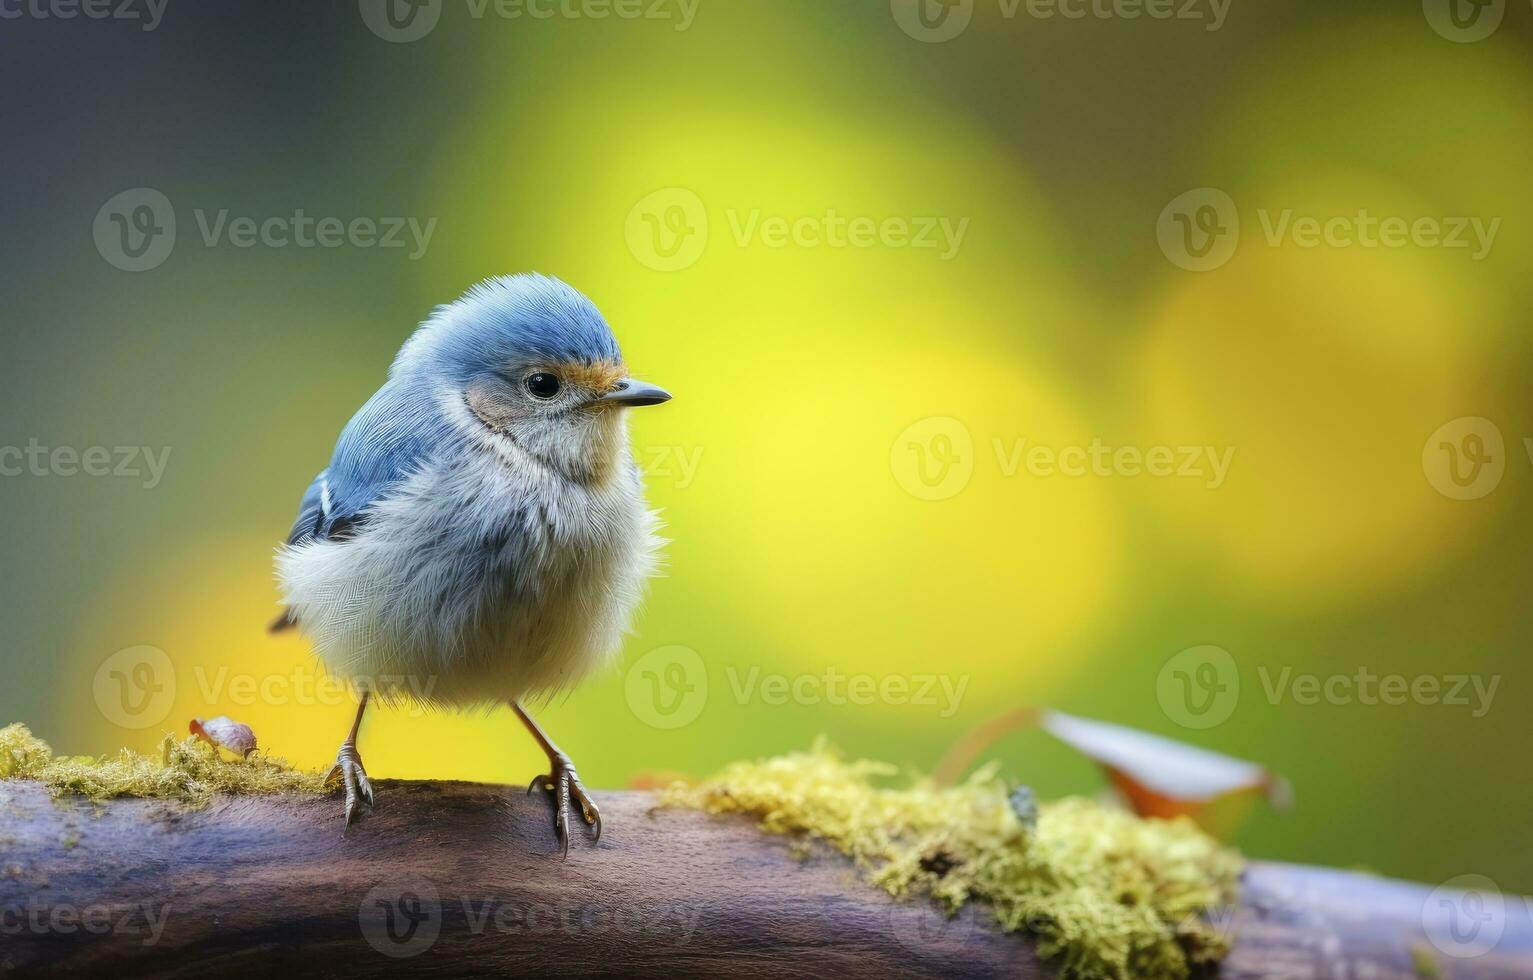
[455, 879]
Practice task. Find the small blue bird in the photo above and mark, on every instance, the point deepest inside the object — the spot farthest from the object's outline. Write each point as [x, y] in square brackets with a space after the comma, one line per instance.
[480, 536]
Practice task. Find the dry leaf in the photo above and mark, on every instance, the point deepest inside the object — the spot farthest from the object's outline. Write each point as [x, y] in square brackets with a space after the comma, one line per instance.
[1157, 776]
[1161, 777]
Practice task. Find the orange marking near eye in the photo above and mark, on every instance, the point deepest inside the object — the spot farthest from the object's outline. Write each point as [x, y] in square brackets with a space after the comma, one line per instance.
[600, 376]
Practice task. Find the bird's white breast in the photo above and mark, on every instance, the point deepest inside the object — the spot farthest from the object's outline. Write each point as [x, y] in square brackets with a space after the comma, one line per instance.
[485, 578]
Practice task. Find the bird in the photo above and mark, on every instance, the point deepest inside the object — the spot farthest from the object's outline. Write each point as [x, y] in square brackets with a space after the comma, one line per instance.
[480, 536]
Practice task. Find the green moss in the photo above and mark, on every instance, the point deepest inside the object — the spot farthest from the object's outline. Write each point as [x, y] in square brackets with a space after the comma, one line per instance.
[1108, 894]
[189, 771]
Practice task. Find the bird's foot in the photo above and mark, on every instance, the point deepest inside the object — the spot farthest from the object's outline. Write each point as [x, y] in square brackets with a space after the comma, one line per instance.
[563, 783]
[348, 765]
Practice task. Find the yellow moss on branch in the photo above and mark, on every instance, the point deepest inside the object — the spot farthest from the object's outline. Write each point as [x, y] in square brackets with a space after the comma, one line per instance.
[1107, 893]
[189, 771]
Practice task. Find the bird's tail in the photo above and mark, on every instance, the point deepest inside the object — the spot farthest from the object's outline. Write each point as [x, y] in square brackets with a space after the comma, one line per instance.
[288, 620]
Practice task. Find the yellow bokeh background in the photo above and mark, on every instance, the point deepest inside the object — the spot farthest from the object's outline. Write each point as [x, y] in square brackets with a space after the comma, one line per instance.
[843, 472]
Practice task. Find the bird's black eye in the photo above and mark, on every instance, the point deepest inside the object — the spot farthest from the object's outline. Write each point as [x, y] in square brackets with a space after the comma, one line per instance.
[542, 385]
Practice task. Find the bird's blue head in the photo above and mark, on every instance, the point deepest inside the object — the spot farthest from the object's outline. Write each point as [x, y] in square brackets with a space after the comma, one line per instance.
[534, 362]
[507, 320]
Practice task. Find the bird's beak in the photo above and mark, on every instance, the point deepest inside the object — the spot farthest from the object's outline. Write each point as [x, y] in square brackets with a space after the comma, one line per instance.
[634, 393]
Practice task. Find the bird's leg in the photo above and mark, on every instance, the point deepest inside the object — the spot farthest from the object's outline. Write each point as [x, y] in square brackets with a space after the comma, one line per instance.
[348, 765]
[562, 781]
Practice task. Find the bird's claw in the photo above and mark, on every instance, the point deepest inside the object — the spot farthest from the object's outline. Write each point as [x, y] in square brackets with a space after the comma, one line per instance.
[563, 782]
[348, 765]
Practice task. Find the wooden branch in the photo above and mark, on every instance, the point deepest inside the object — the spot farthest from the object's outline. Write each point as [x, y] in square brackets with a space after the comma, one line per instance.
[458, 879]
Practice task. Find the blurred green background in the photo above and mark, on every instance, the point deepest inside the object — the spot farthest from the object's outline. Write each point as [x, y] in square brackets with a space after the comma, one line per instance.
[843, 471]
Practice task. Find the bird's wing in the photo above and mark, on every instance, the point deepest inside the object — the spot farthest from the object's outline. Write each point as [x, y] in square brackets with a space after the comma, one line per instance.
[325, 516]
[387, 441]
[311, 511]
